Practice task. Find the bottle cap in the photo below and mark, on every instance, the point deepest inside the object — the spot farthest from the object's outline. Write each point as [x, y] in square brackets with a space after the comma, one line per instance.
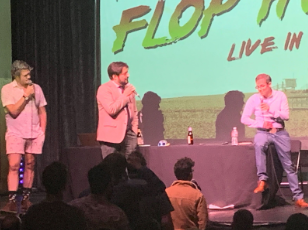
[189, 128]
[234, 127]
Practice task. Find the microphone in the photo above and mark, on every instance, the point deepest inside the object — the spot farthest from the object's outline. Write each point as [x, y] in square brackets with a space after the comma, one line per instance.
[278, 120]
[31, 83]
[262, 112]
[135, 92]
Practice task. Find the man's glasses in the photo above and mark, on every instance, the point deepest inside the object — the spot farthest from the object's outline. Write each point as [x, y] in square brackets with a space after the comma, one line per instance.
[260, 86]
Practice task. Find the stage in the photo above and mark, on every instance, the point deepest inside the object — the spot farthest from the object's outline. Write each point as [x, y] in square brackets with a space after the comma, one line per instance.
[226, 175]
[274, 218]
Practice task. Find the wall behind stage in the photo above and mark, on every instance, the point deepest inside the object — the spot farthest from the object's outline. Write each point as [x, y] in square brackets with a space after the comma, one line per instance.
[5, 77]
[194, 61]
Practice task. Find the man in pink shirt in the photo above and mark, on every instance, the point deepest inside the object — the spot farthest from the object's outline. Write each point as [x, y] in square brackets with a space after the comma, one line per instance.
[24, 105]
[270, 108]
[117, 121]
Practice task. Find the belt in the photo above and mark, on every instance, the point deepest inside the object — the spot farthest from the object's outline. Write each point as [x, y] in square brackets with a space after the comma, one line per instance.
[267, 130]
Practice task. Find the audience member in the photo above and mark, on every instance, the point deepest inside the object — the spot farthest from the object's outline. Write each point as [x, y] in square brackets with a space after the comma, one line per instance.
[52, 213]
[98, 211]
[141, 196]
[156, 204]
[242, 220]
[127, 193]
[190, 209]
[11, 222]
[297, 221]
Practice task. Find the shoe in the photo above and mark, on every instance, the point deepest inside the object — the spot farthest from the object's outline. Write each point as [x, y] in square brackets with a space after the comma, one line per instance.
[10, 206]
[262, 185]
[301, 203]
[25, 204]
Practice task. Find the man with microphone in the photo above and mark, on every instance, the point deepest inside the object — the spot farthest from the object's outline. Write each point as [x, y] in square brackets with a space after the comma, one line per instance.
[118, 121]
[24, 105]
[270, 108]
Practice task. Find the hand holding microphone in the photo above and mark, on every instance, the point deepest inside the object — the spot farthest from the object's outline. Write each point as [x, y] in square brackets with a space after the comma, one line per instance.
[29, 91]
[264, 107]
[129, 89]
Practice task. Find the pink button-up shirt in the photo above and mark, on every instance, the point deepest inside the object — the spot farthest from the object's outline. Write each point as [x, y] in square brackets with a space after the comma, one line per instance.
[278, 107]
[27, 124]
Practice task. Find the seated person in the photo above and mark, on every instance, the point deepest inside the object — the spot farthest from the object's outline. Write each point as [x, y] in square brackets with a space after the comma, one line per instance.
[127, 193]
[242, 220]
[156, 204]
[98, 211]
[190, 209]
[52, 213]
[297, 221]
[270, 109]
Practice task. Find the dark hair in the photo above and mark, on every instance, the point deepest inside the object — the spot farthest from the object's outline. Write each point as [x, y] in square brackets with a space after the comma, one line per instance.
[139, 155]
[135, 156]
[116, 163]
[297, 221]
[242, 220]
[54, 177]
[183, 168]
[115, 68]
[99, 178]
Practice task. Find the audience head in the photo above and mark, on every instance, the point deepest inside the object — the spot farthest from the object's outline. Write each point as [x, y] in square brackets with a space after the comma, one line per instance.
[54, 178]
[242, 220]
[297, 221]
[99, 178]
[11, 222]
[134, 162]
[116, 163]
[183, 169]
[137, 156]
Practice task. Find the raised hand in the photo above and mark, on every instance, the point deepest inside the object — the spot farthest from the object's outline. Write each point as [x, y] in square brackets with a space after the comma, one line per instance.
[129, 89]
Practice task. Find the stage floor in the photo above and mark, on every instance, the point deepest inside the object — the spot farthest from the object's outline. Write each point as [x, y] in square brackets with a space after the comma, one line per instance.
[267, 218]
[274, 218]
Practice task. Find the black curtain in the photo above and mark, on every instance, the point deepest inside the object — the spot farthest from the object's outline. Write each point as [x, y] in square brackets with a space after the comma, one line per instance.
[58, 38]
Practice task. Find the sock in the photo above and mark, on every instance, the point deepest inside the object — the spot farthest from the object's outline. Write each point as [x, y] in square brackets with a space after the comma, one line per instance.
[12, 195]
[26, 193]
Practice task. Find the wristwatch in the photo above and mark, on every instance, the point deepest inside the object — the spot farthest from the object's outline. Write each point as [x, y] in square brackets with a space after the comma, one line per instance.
[26, 98]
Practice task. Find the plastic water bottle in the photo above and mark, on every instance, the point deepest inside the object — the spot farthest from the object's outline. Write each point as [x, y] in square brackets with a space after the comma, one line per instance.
[234, 136]
[190, 137]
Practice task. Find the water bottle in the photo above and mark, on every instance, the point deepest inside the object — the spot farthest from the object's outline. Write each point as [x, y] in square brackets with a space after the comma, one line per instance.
[234, 136]
[190, 137]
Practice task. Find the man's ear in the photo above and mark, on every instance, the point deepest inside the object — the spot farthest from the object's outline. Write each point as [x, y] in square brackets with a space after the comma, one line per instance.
[113, 76]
